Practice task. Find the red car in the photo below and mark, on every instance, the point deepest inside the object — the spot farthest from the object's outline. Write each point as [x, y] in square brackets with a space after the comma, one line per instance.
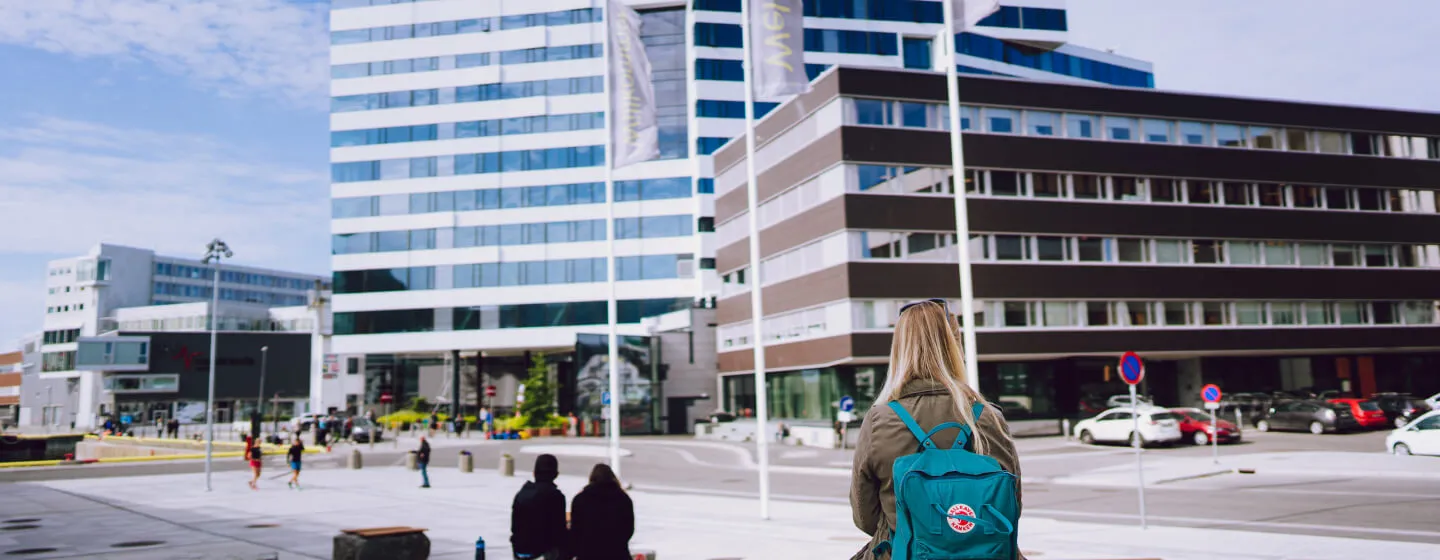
[1195, 427]
[1368, 413]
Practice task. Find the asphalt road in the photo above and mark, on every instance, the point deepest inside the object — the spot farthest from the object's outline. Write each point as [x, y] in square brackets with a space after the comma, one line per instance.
[1359, 507]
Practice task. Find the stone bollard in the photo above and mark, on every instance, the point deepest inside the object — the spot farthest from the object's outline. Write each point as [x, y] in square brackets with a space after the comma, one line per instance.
[412, 461]
[507, 465]
[467, 462]
[355, 460]
[1064, 425]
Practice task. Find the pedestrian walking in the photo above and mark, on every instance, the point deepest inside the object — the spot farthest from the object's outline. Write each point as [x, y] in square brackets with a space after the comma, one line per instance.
[926, 390]
[484, 418]
[433, 424]
[173, 426]
[537, 516]
[422, 460]
[602, 519]
[293, 456]
[320, 431]
[349, 428]
[253, 454]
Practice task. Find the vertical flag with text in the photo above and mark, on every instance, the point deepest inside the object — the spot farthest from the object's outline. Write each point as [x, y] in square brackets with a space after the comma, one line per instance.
[970, 12]
[635, 136]
[777, 50]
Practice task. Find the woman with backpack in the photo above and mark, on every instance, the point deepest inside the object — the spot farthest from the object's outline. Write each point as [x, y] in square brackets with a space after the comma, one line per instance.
[935, 468]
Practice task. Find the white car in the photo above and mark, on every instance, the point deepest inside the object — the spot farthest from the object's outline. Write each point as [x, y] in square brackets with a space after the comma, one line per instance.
[1157, 425]
[1420, 437]
[1434, 401]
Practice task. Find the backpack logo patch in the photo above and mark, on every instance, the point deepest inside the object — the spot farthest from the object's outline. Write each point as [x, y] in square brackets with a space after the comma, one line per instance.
[960, 525]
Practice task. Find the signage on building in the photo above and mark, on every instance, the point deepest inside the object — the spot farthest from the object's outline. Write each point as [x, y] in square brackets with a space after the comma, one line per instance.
[332, 366]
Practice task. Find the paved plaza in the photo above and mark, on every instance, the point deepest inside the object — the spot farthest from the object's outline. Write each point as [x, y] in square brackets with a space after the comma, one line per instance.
[179, 520]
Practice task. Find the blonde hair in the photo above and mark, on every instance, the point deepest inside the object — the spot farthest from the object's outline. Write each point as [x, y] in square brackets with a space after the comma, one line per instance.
[926, 346]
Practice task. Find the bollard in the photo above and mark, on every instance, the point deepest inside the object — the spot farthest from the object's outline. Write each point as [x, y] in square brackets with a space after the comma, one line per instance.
[411, 461]
[467, 462]
[1064, 425]
[355, 460]
[507, 465]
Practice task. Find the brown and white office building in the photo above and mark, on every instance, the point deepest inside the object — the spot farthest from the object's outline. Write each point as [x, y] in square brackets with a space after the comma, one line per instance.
[1261, 245]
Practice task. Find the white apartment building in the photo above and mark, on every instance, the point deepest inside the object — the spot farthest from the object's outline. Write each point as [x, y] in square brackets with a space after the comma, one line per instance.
[467, 143]
[84, 296]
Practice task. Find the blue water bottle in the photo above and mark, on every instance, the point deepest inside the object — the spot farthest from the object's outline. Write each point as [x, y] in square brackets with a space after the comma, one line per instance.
[479, 548]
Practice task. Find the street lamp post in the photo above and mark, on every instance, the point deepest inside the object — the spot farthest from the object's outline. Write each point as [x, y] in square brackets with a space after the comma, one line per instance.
[260, 397]
[215, 251]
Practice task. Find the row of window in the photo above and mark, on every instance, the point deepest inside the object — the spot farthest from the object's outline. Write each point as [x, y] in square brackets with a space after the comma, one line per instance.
[786, 327]
[342, 4]
[227, 294]
[65, 308]
[647, 227]
[1070, 314]
[468, 164]
[1047, 19]
[916, 11]
[530, 315]
[728, 35]
[730, 109]
[507, 197]
[1121, 128]
[990, 48]
[60, 337]
[521, 273]
[1195, 191]
[1043, 248]
[466, 94]
[57, 361]
[464, 26]
[452, 62]
[176, 270]
[533, 124]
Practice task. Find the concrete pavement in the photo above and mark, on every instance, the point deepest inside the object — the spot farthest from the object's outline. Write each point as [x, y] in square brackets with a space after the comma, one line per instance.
[88, 517]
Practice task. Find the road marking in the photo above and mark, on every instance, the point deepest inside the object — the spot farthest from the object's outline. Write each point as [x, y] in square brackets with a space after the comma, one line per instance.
[1342, 493]
[1212, 523]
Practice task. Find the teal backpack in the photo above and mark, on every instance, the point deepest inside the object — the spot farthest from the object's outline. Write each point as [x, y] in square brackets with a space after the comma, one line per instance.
[951, 504]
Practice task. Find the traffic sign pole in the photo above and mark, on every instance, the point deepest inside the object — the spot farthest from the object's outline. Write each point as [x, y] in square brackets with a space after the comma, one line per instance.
[1132, 371]
[1211, 395]
[1139, 462]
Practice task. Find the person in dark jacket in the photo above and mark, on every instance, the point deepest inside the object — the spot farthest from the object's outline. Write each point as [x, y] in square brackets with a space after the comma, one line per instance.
[537, 517]
[602, 519]
[422, 460]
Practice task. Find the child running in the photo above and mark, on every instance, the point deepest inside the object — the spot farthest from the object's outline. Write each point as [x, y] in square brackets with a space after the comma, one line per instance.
[297, 449]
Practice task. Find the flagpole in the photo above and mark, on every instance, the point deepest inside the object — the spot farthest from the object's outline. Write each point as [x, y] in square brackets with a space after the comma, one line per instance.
[611, 306]
[962, 215]
[757, 337]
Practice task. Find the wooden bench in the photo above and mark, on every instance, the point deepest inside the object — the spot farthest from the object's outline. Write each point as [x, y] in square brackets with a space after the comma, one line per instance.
[381, 543]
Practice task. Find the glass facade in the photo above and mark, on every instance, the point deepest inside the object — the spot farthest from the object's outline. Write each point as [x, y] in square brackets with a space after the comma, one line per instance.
[811, 394]
[486, 317]
[663, 32]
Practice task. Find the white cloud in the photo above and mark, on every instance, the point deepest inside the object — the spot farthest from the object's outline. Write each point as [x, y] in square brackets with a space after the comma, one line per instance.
[271, 47]
[65, 191]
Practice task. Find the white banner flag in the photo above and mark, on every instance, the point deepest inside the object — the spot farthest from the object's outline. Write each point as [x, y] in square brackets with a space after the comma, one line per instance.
[970, 12]
[634, 135]
[777, 37]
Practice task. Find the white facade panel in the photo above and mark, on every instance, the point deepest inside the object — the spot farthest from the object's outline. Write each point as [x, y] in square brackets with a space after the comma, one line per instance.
[478, 111]
[480, 145]
[416, 80]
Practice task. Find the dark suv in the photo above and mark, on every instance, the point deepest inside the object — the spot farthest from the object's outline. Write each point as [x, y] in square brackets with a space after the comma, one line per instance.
[1316, 417]
[1400, 408]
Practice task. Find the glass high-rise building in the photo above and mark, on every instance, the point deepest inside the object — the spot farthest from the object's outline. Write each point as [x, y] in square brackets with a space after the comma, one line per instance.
[467, 150]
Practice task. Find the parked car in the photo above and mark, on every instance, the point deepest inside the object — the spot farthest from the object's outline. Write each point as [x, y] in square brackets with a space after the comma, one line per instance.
[1400, 408]
[1317, 417]
[1419, 437]
[1434, 401]
[1157, 425]
[303, 422]
[363, 429]
[1118, 401]
[1195, 427]
[1367, 413]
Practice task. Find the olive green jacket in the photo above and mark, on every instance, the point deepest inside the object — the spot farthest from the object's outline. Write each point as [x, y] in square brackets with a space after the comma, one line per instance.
[884, 437]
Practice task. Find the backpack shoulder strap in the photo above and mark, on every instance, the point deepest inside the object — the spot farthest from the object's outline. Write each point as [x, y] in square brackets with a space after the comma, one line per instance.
[909, 421]
[967, 433]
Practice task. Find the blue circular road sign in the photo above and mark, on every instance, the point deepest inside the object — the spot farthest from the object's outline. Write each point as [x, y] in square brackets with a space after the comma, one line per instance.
[847, 404]
[1132, 370]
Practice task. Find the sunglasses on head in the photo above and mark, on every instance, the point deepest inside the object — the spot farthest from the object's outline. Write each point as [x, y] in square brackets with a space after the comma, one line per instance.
[937, 301]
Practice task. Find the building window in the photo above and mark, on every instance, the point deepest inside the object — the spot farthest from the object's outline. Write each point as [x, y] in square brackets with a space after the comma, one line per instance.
[917, 53]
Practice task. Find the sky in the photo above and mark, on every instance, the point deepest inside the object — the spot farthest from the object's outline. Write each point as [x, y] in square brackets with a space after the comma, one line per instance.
[166, 123]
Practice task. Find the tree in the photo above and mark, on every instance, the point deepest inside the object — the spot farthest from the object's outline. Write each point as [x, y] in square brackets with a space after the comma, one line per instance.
[539, 402]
